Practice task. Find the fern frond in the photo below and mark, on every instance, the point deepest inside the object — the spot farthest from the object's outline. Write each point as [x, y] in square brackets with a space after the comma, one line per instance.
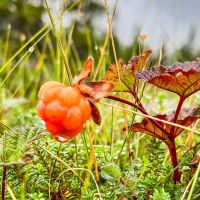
[16, 144]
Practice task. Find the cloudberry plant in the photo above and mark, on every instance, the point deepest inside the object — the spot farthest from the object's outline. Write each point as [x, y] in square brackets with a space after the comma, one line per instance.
[182, 79]
[66, 109]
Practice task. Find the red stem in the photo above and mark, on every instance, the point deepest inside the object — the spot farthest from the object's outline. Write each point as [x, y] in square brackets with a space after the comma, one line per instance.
[141, 109]
[178, 109]
[173, 155]
[134, 93]
[172, 145]
[125, 101]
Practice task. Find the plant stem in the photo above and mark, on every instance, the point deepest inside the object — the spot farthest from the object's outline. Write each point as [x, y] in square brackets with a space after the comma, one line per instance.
[173, 155]
[141, 109]
[178, 109]
[123, 101]
[134, 92]
[3, 183]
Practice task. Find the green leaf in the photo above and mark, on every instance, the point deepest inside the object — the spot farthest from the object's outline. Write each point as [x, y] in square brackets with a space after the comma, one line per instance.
[110, 172]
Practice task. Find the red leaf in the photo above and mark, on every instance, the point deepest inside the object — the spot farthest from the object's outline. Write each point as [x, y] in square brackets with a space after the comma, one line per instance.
[146, 126]
[96, 90]
[181, 78]
[191, 116]
[85, 73]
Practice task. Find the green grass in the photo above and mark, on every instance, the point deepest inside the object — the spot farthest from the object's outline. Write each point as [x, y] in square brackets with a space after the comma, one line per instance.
[103, 162]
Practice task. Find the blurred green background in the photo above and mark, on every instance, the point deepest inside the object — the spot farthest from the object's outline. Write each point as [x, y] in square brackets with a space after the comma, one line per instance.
[30, 54]
[24, 18]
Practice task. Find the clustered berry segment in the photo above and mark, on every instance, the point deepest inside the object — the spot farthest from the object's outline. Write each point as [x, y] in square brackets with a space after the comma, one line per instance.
[64, 110]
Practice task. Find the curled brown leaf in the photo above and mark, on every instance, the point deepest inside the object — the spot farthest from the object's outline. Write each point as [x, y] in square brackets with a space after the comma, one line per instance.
[96, 90]
[87, 69]
[95, 113]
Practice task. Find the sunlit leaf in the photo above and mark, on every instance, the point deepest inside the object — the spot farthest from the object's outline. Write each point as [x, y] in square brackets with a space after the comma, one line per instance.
[139, 62]
[181, 78]
[123, 76]
[120, 80]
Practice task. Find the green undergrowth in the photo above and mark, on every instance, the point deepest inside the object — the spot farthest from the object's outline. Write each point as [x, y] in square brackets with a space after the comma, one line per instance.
[142, 173]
